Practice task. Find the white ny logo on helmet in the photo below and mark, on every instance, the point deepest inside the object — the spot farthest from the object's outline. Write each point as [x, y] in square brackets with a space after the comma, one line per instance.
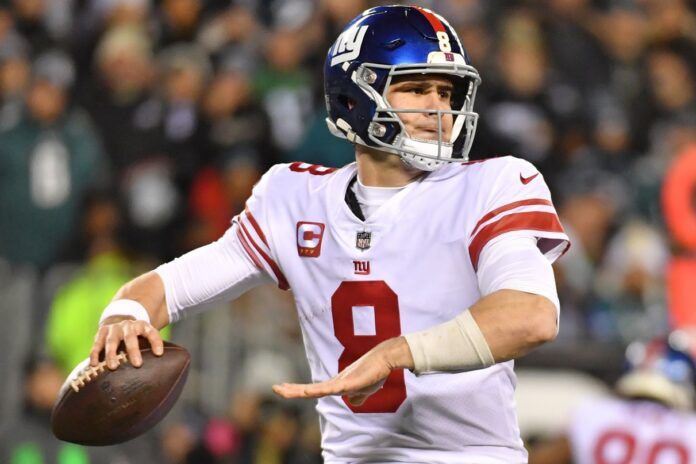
[348, 44]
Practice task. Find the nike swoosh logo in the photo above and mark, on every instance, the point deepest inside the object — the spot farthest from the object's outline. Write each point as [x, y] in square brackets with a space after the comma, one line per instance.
[526, 180]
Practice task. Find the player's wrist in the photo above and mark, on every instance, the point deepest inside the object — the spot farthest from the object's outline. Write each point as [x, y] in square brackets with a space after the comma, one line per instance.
[116, 319]
[124, 309]
[398, 353]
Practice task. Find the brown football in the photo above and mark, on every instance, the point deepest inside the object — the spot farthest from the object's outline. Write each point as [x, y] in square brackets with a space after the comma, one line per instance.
[98, 407]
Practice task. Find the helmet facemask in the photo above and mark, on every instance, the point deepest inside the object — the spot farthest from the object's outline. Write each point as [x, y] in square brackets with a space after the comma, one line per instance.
[423, 154]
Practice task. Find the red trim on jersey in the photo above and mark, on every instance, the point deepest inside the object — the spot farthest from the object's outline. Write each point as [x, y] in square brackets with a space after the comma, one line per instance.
[491, 214]
[533, 220]
[256, 226]
[432, 19]
[282, 282]
[248, 249]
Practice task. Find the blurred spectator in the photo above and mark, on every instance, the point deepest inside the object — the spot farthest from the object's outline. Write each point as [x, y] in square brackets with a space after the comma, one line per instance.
[671, 21]
[236, 27]
[15, 71]
[587, 219]
[529, 105]
[82, 294]
[185, 70]
[623, 31]
[219, 194]
[179, 21]
[182, 441]
[119, 97]
[235, 125]
[671, 84]
[285, 88]
[32, 19]
[48, 160]
[630, 281]
[77, 306]
[574, 50]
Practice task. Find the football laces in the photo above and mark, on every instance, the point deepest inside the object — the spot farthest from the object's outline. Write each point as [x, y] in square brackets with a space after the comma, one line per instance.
[92, 372]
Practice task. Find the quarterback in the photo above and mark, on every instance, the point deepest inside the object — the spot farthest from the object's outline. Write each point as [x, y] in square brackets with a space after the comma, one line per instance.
[418, 276]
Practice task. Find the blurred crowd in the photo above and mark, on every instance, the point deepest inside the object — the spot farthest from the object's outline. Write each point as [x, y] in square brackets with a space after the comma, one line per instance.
[131, 131]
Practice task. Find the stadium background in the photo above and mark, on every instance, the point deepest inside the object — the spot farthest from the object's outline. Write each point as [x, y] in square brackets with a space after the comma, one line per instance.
[132, 131]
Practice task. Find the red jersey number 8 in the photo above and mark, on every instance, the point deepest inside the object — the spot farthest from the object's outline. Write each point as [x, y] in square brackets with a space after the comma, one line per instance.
[385, 303]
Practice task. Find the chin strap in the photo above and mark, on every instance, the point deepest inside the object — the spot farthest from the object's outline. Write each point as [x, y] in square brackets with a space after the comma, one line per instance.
[428, 148]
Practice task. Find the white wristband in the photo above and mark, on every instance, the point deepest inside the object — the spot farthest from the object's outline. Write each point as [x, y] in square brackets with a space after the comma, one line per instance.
[125, 308]
[456, 345]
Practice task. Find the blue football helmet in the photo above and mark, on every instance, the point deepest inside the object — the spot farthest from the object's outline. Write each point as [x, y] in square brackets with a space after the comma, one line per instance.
[662, 369]
[389, 41]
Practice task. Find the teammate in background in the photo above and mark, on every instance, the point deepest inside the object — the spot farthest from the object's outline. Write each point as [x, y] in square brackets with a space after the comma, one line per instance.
[410, 261]
[651, 421]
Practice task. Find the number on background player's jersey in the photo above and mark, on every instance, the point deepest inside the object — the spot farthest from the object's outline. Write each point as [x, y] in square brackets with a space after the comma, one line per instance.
[614, 431]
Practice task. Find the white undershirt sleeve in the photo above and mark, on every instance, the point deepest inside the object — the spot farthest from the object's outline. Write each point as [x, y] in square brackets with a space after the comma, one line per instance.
[516, 263]
[218, 271]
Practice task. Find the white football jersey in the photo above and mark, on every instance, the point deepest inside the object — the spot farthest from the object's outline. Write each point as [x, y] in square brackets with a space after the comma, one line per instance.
[410, 266]
[632, 432]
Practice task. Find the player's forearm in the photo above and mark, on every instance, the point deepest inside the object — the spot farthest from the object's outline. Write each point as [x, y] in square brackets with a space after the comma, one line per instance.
[148, 290]
[514, 323]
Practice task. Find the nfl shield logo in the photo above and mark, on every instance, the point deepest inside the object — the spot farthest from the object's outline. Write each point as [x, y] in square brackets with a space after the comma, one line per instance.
[362, 240]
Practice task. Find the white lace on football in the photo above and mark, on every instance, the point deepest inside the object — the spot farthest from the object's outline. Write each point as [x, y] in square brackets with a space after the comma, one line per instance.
[91, 372]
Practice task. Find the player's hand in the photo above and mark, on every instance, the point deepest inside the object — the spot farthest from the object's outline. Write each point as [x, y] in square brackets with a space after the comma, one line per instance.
[124, 328]
[360, 379]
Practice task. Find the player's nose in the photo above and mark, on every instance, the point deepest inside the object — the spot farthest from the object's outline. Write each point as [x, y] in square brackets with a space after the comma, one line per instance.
[434, 101]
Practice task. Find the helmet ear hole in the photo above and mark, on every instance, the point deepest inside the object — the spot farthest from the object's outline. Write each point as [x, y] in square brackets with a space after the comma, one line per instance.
[347, 102]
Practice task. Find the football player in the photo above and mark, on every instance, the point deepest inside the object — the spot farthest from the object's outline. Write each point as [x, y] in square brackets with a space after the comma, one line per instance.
[651, 420]
[418, 276]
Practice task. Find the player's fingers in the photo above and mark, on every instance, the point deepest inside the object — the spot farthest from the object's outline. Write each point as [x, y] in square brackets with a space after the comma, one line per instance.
[311, 390]
[153, 336]
[98, 345]
[113, 338]
[289, 390]
[294, 390]
[130, 338]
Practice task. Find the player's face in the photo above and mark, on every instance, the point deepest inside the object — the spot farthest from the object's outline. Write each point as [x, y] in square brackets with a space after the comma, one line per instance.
[423, 92]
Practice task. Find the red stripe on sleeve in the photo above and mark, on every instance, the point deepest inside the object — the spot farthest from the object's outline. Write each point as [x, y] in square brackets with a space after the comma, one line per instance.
[256, 226]
[533, 220]
[432, 19]
[490, 215]
[282, 282]
[248, 249]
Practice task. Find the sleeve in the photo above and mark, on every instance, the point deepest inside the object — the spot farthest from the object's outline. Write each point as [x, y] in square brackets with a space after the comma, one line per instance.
[517, 264]
[254, 228]
[518, 205]
[221, 270]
